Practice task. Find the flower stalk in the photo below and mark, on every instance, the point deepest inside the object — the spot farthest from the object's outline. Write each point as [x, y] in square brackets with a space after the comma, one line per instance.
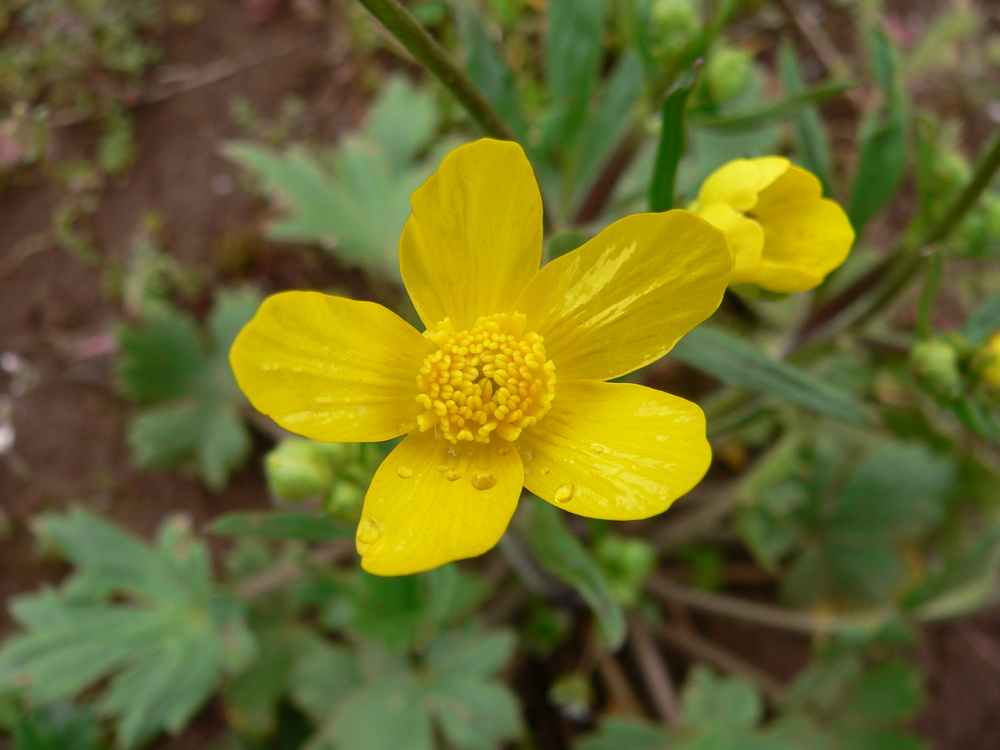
[408, 31]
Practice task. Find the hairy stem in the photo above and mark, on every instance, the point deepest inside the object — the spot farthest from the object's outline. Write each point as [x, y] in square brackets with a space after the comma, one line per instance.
[405, 28]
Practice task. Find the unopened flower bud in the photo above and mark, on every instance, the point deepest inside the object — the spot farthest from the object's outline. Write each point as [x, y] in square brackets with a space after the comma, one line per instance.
[726, 73]
[627, 562]
[298, 469]
[935, 362]
[672, 25]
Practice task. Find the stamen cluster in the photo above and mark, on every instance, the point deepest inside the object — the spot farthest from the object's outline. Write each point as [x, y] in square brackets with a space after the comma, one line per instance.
[492, 378]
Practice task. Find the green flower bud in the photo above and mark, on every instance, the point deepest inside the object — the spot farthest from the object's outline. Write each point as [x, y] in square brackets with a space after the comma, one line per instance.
[298, 469]
[727, 72]
[573, 694]
[345, 499]
[627, 562]
[935, 362]
[672, 24]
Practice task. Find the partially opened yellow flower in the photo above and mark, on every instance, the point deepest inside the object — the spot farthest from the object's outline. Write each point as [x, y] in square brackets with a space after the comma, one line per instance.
[504, 388]
[785, 236]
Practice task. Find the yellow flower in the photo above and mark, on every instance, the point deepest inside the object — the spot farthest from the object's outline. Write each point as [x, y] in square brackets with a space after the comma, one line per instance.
[784, 235]
[990, 357]
[503, 389]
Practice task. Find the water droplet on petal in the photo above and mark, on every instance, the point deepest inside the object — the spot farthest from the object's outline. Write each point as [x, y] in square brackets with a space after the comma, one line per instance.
[442, 467]
[454, 475]
[598, 448]
[504, 451]
[368, 533]
[404, 472]
[545, 471]
[564, 493]
[483, 479]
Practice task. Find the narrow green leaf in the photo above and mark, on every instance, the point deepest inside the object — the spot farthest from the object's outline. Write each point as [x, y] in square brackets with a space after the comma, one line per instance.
[601, 133]
[738, 363]
[810, 134]
[487, 68]
[562, 554]
[883, 142]
[304, 526]
[983, 322]
[673, 141]
[573, 55]
[772, 113]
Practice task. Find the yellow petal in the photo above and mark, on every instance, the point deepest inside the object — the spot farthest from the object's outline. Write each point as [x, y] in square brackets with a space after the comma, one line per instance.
[330, 368]
[623, 299]
[745, 237]
[803, 242]
[739, 182]
[475, 236]
[432, 502]
[615, 450]
[793, 185]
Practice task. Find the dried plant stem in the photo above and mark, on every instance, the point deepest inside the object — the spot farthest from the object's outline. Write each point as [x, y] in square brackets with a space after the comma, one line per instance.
[289, 570]
[654, 670]
[435, 58]
[762, 614]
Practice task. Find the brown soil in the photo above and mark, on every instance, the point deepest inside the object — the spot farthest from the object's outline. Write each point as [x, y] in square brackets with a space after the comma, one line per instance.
[70, 447]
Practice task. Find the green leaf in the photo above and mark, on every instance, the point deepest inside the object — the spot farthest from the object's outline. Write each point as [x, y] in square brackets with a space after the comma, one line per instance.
[812, 142]
[323, 676]
[562, 554]
[983, 322]
[354, 200]
[487, 68]
[252, 697]
[600, 134]
[572, 55]
[888, 692]
[196, 402]
[966, 583]
[882, 161]
[740, 364]
[148, 619]
[625, 734]
[452, 693]
[283, 525]
[59, 726]
[720, 705]
[673, 141]
[772, 113]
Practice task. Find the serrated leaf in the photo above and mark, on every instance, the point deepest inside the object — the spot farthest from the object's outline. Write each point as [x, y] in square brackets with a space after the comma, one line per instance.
[163, 647]
[739, 363]
[59, 726]
[282, 525]
[355, 200]
[888, 692]
[194, 413]
[399, 708]
[324, 674]
[562, 554]
[625, 734]
[720, 704]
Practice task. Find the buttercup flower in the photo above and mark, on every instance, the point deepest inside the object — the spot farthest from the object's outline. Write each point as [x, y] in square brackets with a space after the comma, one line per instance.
[784, 235]
[504, 388]
[990, 357]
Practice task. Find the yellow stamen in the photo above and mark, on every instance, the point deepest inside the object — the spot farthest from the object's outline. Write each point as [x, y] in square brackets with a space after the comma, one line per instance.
[492, 378]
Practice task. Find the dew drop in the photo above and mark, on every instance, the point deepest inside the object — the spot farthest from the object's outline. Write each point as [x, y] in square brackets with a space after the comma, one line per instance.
[504, 451]
[454, 475]
[482, 479]
[564, 493]
[404, 472]
[368, 533]
[442, 467]
[545, 471]
[598, 448]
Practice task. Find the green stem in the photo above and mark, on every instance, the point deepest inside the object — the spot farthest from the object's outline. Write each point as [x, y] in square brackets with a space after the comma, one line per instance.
[408, 31]
[866, 297]
[934, 268]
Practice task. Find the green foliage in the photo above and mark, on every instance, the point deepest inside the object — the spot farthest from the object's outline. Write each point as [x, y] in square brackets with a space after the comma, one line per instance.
[673, 140]
[811, 140]
[191, 404]
[353, 199]
[304, 526]
[451, 691]
[58, 726]
[627, 562]
[738, 363]
[847, 526]
[563, 555]
[150, 618]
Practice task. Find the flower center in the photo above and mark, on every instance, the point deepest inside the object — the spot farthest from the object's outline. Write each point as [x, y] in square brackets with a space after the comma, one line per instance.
[493, 377]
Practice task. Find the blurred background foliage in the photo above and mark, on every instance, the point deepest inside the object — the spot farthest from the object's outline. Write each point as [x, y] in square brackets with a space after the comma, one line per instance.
[854, 498]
